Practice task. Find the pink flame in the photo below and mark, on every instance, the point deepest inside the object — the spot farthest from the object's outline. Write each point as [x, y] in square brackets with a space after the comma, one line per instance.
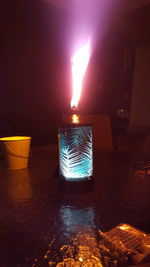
[80, 62]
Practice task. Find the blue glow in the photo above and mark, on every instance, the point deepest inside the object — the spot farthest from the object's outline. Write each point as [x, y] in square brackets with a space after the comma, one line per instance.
[74, 219]
[76, 153]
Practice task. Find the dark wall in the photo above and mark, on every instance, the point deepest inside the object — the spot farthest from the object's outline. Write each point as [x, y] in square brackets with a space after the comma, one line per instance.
[32, 68]
[36, 72]
[109, 78]
[140, 106]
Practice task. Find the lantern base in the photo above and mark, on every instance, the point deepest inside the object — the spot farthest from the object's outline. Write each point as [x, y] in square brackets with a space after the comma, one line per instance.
[77, 186]
[78, 179]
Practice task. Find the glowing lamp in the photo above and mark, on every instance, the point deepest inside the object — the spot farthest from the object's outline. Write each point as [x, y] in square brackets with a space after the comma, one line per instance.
[75, 151]
[75, 135]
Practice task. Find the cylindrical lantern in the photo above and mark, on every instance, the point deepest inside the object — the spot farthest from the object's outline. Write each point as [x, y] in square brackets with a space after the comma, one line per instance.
[75, 151]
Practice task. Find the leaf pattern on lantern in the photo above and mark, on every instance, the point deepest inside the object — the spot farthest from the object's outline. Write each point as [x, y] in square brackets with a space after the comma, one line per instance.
[76, 159]
[88, 155]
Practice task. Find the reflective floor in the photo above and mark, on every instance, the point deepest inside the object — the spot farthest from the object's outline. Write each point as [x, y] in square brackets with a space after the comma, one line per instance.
[36, 212]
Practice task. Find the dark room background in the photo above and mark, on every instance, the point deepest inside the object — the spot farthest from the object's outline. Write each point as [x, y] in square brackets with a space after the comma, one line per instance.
[35, 72]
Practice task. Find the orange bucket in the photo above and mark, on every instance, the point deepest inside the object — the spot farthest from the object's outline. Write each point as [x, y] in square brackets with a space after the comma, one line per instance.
[16, 150]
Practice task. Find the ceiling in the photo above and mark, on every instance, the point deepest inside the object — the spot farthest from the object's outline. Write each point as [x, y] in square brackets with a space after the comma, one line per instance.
[124, 5]
[130, 5]
[129, 18]
[134, 22]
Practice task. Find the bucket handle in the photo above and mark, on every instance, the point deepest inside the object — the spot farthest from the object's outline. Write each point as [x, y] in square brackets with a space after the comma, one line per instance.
[10, 151]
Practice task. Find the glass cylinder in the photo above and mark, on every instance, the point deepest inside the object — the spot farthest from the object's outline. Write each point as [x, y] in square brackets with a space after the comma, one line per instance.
[75, 151]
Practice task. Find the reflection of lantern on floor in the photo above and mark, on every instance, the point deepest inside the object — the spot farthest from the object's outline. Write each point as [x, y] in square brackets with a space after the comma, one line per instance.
[74, 219]
[75, 151]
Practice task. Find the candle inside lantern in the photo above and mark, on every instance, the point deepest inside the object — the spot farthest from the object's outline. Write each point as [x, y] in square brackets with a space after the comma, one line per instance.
[75, 136]
[75, 118]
